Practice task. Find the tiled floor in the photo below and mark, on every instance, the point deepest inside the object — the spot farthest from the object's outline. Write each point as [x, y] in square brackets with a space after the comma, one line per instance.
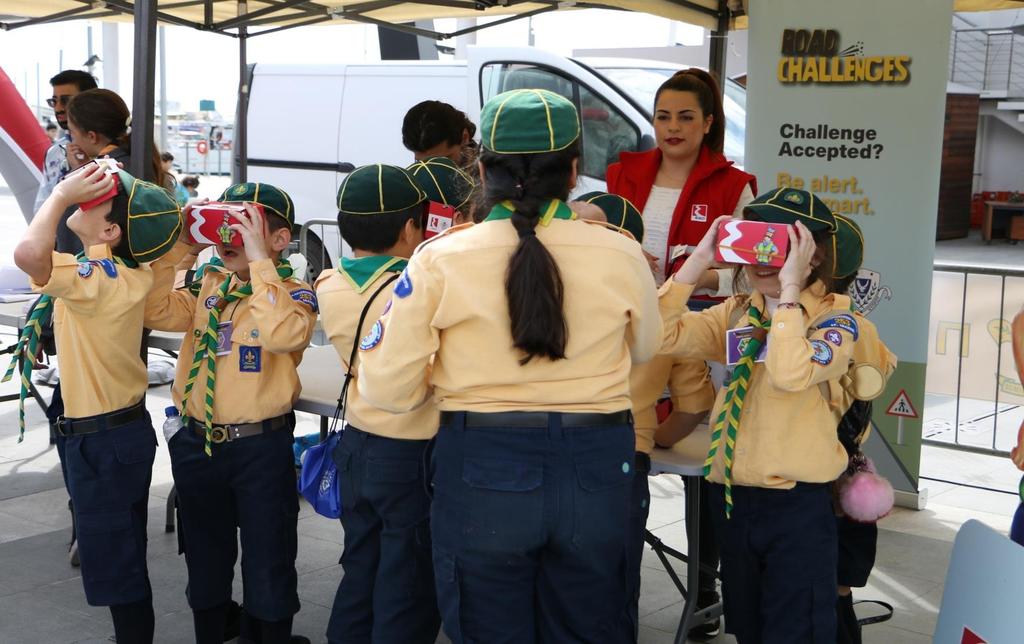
[41, 597]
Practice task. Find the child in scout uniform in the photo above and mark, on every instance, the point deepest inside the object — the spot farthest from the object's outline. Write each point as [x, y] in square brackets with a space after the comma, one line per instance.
[530, 322]
[691, 396]
[98, 302]
[446, 185]
[873, 363]
[387, 592]
[246, 325]
[774, 449]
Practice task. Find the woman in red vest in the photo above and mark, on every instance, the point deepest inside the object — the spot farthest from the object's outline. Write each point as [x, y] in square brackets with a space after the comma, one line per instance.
[682, 185]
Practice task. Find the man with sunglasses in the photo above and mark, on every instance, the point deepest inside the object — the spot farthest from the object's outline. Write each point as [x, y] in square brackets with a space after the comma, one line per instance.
[66, 84]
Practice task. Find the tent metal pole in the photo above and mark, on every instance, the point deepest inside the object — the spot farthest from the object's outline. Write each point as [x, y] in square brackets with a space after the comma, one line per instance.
[242, 118]
[144, 89]
[719, 42]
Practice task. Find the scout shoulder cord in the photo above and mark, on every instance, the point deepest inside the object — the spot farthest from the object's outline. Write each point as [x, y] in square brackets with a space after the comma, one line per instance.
[28, 343]
[339, 411]
[206, 348]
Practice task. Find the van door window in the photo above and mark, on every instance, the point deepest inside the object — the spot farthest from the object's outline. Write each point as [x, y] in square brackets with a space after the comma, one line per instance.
[606, 132]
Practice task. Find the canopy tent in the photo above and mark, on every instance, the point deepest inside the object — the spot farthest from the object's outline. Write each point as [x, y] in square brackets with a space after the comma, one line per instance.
[244, 19]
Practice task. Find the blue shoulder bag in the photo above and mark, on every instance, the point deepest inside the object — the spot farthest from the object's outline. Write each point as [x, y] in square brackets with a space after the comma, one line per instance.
[318, 480]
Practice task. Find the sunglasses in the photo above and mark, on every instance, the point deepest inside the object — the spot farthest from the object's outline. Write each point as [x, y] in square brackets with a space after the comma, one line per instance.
[63, 100]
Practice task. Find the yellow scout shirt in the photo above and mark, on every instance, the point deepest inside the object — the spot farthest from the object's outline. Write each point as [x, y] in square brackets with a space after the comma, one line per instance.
[787, 430]
[689, 386]
[451, 304]
[97, 323]
[270, 330]
[342, 295]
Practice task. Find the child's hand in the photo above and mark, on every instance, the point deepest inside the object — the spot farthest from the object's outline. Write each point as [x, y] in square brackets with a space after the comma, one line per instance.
[703, 257]
[797, 269]
[254, 233]
[86, 184]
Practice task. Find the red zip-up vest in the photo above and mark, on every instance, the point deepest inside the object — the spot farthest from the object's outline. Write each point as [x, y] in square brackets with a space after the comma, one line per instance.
[713, 189]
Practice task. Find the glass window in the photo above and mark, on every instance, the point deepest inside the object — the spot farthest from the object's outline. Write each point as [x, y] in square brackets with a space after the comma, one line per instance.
[605, 131]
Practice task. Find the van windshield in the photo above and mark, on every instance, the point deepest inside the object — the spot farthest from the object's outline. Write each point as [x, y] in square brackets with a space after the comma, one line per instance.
[641, 83]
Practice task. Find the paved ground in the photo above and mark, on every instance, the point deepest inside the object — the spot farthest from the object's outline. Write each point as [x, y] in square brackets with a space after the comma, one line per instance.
[41, 598]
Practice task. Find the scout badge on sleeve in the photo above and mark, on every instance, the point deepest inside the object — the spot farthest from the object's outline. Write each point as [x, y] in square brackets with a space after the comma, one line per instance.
[210, 224]
[752, 242]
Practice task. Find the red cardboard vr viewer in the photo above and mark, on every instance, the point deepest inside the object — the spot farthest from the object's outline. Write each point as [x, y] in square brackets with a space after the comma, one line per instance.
[210, 224]
[110, 167]
[752, 242]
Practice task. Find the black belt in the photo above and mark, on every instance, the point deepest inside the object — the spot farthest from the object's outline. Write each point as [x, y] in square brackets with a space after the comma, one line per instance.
[536, 419]
[92, 424]
[228, 433]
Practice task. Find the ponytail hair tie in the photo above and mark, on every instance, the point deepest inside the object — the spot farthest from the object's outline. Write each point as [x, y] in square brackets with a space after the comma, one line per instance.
[527, 232]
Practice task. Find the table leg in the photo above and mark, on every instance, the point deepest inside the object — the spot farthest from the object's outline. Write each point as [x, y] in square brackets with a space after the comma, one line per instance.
[693, 555]
[986, 225]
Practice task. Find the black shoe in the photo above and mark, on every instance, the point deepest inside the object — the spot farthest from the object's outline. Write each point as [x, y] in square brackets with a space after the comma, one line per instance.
[300, 639]
[710, 629]
[232, 621]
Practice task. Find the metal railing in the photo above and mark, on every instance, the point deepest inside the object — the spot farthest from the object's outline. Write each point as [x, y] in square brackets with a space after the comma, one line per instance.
[988, 60]
[985, 406]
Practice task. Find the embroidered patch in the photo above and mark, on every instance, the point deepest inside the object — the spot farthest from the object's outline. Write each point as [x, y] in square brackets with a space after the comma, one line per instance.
[794, 197]
[108, 267]
[822, 352]
[85, 270]
[842, 322]
[210, 302]
[403, 287]
[835, 337]
[249, 359]
[372, 338]
[307, 297]
[699, 212]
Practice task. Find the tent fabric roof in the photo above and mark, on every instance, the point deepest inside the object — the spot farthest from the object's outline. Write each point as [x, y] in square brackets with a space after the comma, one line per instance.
[221, 15]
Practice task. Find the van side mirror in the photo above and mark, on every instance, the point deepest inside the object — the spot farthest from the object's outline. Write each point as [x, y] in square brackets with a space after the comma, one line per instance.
[647, 142]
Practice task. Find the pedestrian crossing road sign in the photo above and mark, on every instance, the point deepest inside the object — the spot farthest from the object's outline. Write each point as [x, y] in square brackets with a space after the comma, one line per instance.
[902, 406]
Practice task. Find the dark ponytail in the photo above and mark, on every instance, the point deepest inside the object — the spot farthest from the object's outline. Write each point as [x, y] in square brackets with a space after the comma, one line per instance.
[533, 284]
[105, 113]
[709, 96]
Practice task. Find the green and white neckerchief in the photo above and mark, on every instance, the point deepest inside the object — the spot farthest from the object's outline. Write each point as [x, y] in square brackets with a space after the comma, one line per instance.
[554, 209]
[28, 342]
[732, 406]
[361, 272]
[206, 348]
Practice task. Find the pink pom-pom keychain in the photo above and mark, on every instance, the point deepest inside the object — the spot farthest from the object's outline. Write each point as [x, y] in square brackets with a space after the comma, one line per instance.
[864, 496]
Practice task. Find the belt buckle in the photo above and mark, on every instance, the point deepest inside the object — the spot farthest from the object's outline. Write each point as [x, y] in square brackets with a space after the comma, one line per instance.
[218, 434]
[61, 423]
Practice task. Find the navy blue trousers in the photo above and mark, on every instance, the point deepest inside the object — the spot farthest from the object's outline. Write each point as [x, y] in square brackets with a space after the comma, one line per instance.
[387, 592]
[530, 531]
[779, 554]
[108, 476]
[246, 491]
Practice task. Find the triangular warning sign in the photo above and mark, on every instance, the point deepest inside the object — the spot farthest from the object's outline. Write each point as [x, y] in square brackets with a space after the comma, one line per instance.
[970, 637]
[902, 406]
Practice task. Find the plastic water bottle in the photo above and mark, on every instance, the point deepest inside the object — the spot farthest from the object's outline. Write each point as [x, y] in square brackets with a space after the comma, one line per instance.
[172, 424]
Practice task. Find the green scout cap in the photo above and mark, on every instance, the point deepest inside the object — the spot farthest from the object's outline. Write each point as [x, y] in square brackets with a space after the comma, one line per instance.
[789, 205]
[378, 189]
[528, 121]
[442, 181]
[849, 247]
[154, 219]
[620, 212]
[270, 197]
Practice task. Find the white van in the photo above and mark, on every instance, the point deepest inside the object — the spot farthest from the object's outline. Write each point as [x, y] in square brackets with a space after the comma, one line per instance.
[309, 125]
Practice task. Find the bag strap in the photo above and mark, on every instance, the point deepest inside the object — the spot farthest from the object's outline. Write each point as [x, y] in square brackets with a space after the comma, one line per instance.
[877, 619]
[343, 396]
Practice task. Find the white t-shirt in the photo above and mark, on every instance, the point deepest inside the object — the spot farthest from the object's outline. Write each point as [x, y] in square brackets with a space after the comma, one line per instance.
[657, 216]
